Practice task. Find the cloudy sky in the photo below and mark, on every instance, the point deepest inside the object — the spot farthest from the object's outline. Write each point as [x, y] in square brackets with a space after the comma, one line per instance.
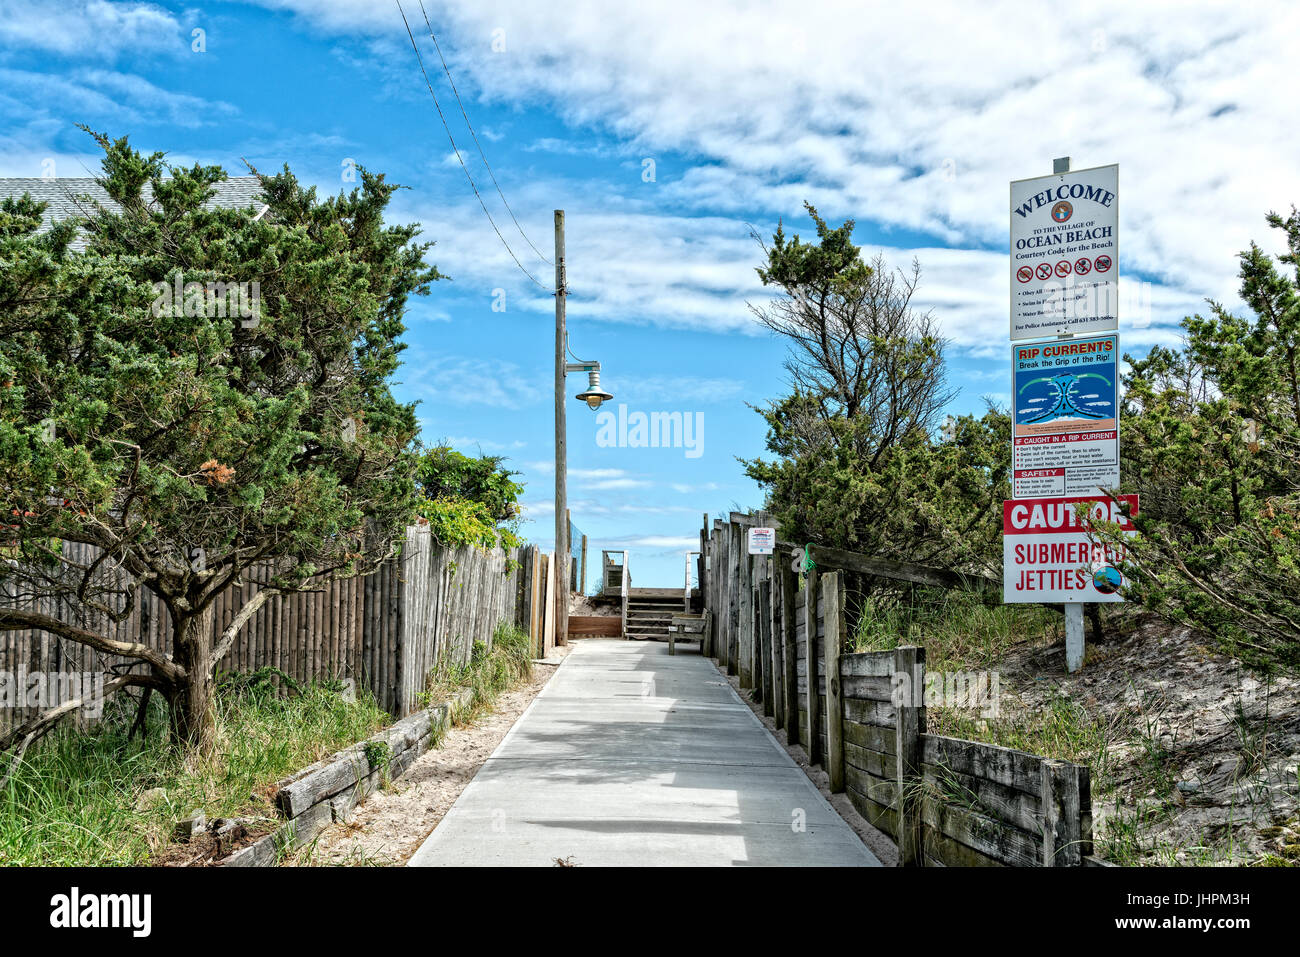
[668, 131]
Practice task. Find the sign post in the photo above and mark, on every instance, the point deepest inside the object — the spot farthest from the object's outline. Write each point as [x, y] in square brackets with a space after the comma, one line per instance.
[1065, 392]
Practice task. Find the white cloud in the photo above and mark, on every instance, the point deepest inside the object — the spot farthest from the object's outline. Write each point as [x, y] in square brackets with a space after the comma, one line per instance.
[105, 94]
[467, 380]
[664, 541]
[678, 389]
[92, 30]
[688, 489]
[907, 117]
[607, 485]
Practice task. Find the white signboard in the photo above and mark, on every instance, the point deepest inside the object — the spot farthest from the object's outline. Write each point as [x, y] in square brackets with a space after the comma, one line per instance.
[1065, 253]
[1065, 417]
[1047, 555]
[762, 541]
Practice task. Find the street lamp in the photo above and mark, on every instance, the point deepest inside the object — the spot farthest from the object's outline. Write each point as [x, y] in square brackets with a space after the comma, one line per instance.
[593, 395]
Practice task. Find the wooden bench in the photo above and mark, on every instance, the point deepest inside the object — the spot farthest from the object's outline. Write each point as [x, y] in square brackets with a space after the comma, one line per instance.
[686, 625]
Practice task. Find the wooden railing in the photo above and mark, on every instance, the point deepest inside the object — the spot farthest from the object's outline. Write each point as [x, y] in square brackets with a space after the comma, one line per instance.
[625, 584]
[943, 800]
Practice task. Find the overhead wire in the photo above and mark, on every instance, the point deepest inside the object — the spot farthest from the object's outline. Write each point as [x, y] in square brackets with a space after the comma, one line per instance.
[420, 60]
[483, 156]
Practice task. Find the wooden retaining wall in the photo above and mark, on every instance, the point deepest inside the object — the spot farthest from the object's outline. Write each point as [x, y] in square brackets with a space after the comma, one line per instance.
[327, 791]
[945, 801]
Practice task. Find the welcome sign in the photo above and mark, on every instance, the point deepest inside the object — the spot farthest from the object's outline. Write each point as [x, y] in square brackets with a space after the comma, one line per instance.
[1065, 253]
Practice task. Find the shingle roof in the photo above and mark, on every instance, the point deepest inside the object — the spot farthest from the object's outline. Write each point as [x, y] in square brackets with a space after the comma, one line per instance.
[61, 196]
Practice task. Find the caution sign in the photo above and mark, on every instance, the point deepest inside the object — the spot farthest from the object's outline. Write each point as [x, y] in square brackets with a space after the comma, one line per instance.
[1048, 555]
[1064, 240]
[1065, 426]
[762, 541]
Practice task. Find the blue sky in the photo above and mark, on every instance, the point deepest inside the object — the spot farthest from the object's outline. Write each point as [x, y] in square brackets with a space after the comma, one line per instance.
[911, 122]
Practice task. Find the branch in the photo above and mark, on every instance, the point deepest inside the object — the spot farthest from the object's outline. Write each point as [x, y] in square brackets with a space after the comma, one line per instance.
[12, 619]
[248, 611]
[39, 726]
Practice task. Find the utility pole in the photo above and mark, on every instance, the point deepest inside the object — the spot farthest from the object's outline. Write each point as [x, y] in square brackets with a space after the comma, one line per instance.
[561, 451]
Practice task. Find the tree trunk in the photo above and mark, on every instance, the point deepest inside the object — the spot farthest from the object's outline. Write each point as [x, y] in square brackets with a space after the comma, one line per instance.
[191, 706]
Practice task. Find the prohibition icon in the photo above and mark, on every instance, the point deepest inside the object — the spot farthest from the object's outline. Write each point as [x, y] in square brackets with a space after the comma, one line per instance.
[1064, 385]
[1063, 268]
[1024, 274]
[1044, 271]
[1102, 263]
[1082, 266]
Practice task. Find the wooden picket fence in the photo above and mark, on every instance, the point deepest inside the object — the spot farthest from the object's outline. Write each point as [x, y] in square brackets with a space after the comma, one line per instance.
[384, 631]
[944, 801]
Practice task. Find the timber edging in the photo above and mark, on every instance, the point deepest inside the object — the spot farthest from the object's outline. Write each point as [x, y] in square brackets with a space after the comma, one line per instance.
[328, 791]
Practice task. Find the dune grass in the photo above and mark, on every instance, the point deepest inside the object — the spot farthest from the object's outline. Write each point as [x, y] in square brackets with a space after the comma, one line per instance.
[487, 673]
[96, 799]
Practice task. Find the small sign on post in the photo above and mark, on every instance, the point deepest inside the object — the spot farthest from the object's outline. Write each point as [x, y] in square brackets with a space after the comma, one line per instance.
[1065, 415]
[762, 541]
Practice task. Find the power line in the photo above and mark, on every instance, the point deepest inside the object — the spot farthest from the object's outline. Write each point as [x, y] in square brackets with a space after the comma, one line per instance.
[474, 135]
[420, 60]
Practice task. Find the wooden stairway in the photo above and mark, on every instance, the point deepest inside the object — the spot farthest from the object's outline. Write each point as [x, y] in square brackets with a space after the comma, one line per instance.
[650, 612]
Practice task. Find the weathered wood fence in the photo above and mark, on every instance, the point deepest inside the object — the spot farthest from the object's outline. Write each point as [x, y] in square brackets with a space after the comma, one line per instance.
[943, 800]
[384, 631]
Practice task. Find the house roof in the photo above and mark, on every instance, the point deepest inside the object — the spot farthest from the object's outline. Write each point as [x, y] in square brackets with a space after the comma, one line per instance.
[63, 196]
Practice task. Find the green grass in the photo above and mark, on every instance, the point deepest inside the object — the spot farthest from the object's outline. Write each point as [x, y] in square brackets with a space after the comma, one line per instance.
[97, 799]
[488, 673]
[79, 798]
[957, 630]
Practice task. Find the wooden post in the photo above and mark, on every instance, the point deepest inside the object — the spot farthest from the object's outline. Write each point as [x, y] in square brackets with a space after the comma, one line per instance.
[710, 603]
[1085, 808]
[582, 574]
[810, 634]
[1073, 636]
[832, 585]
[537, 613]
[788, 612]
[1061, 815]
[763, 632]
[909, 725]
[625, 586]
[733, 590]
[775, 641]
[704, 567]
[746, 614]
[719, 586]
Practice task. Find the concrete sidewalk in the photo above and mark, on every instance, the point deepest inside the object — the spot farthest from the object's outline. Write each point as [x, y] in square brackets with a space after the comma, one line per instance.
[630, 756]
